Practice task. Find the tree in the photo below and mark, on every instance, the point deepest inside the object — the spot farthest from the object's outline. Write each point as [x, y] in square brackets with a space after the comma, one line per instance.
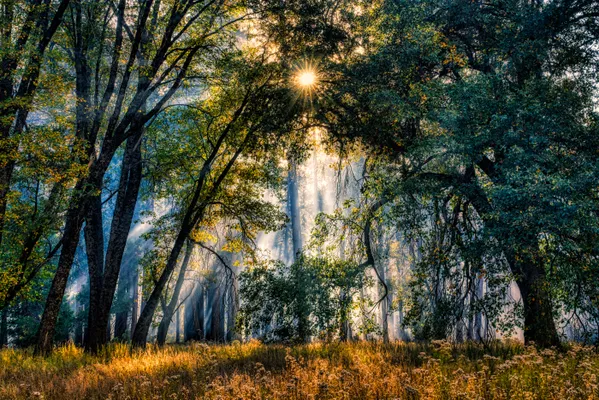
[25, 36]
[160, 50]
[484, 100]
[235, 131]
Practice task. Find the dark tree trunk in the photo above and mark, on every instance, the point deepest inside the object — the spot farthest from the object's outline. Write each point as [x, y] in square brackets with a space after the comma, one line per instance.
[78, 339]
[94, 244]
[4, 328]
[528, 269]
[539, 325]
[124, 299]
[120, 325]
[194, 315]
[217, 321]
[232, 308]
[170, 308]
[109, 330]
[178, 327]
[130, 181]
[70, 240]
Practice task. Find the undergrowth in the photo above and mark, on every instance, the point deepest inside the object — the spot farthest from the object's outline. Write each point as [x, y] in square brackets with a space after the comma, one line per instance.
[361, 370]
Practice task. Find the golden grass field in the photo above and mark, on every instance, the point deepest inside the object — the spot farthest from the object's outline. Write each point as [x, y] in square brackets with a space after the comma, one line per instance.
[362, 370]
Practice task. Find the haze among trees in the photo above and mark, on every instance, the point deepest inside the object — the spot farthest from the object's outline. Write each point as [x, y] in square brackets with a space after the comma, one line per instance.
[298, 171]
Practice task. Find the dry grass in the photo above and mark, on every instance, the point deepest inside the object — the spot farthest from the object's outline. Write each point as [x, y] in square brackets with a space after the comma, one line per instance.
[316, 371]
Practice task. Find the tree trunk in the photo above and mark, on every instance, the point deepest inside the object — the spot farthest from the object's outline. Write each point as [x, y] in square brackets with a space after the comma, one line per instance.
[120, 325]
[70, 240]
[169, 310]
[94, 244]
[209, 313]
[123, 295]
[217, 320]
[294, 211]
[142, 327]
[130, 181]
[79, 310]
[232, 308]
[4, 328]
[384, 305]
[539, 326]
[478, 318]
[178, 327]
[135, 294]
[194, 315]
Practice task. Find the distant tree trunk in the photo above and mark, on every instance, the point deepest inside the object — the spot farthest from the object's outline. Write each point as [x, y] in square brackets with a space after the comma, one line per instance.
[345, 300]
[120, 324]
[109, 330]
[344, 329]
[209, 323]
[79, 325]
[390, 315]
[294, 211]
[194, 314]
[178, 327]
[478, 317]
[170, 308]
[401, 333]
[4, 328]
[384, 306]
[232, 308]
[217, 320]
[199, 315]
[123, 297]
[135, 294]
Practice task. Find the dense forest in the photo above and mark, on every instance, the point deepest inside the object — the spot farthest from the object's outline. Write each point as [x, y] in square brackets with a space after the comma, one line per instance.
[298, 171]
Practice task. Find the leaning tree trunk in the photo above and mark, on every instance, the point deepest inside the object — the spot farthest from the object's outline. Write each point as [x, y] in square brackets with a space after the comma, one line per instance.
[170, 308]
[142, 327]
[70, 241]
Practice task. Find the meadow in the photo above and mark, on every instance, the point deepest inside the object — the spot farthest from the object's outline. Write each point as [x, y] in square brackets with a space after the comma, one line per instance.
[363, 370]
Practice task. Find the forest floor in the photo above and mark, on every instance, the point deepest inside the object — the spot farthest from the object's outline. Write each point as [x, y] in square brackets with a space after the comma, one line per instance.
[362, 370]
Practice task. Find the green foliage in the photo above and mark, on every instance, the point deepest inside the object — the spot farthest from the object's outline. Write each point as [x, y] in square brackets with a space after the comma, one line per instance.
[483, 128]
[309, 298]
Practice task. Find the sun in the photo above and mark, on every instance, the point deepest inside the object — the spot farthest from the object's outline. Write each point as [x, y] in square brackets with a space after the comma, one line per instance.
[306, 78]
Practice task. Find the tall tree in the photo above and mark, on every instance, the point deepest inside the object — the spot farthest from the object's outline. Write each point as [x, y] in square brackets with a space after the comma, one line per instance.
[485, 100]
[159, 49]
[236, 123]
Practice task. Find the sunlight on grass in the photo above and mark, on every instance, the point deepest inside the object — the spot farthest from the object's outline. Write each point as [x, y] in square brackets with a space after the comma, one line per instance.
[315, 371]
